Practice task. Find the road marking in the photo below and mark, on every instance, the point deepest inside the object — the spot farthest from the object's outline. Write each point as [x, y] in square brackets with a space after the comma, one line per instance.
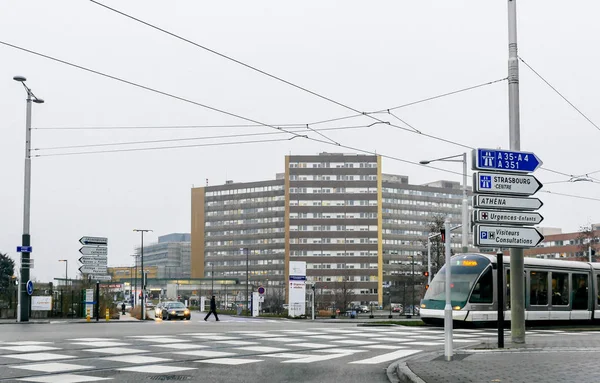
[31, 348]
[157, 369]
[354, 342]
[135, 359]
[426, 337]
[39, 356]
[92, 339]
[217, 337]
[261, 349]
[25, 343]
[116, 350]
[165, 339]
[315, 358]
[205, 353]
[384, 346]
[388, 339]
[386, 357]
[100, 344]
[302, 332]
[64, 378]
[331, 337]
[229, 361]
[52, 367]
[285, 340]
[309, 345]
[179, 346]
[425, 343]
[235, 342]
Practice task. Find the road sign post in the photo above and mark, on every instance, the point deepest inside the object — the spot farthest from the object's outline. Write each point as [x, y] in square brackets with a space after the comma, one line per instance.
[505, 160]
[507, 236]
[94, 257]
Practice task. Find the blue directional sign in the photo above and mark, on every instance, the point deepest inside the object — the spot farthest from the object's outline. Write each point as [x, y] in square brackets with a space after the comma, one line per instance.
[29, 287]
[505, 160]
[24, 249]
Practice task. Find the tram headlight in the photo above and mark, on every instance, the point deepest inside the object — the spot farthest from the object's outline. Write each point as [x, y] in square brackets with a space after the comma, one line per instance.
[457, 307]
[423, 305]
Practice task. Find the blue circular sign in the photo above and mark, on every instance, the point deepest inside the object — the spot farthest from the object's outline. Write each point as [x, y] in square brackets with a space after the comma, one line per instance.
[261, 290]
[29, 287]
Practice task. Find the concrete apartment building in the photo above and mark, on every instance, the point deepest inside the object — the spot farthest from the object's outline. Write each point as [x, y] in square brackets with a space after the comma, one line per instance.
[171, 256]
[569, 246]
[353, 225]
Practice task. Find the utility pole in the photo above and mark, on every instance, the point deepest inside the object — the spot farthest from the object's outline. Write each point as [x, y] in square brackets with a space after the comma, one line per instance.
[23, 298]
[143, 287]
[517, 285]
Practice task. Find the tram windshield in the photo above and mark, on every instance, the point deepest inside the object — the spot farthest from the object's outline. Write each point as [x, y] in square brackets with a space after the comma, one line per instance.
[466, 270]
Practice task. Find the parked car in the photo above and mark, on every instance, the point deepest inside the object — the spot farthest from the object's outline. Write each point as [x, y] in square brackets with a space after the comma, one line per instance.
[397, 309]
[170, 310]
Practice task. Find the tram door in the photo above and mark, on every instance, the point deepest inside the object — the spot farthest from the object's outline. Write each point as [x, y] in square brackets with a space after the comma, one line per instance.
[581, 297]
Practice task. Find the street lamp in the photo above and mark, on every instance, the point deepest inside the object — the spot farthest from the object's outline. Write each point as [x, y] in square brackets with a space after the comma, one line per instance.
[465, 202]
[412, 278]
[143, 287]
[66, 263]
[23, 300]
[246, 250]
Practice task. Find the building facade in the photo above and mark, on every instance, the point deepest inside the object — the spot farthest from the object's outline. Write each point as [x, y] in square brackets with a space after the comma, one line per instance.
[358, 230]
[171, 256]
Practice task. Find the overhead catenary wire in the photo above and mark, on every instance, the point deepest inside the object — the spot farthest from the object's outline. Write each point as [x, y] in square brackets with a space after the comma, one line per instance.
[559, 93]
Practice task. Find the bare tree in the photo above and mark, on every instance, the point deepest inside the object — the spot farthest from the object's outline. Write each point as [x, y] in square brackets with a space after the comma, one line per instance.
[588, 238]
[274, 299]
[344, 293]
[437, 246]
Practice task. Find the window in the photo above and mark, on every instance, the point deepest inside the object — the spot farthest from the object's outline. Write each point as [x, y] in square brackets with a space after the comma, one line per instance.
[483, 292]
[560, 289]
[538, 288]
[580, 291]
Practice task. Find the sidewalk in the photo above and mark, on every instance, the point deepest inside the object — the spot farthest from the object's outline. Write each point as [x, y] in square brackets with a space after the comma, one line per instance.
[542, 359]
[122, 319]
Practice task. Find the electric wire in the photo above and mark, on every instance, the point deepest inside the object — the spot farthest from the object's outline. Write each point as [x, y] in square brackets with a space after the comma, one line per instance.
[570, 195]
[560, 94]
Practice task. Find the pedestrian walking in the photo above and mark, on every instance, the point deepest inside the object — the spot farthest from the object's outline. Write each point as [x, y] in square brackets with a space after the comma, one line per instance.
[213, 309]
[123, 308]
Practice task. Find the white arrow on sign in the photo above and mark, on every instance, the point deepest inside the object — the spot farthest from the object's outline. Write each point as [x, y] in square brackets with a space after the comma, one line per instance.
[499, 183]
[506, 203]
[101, 277]
[93, 250]
[89, 269]
[103, 241]
[509, 217]
[92, 260]
[507, 236]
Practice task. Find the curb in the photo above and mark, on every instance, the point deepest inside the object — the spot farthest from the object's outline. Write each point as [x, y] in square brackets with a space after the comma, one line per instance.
[405, 375]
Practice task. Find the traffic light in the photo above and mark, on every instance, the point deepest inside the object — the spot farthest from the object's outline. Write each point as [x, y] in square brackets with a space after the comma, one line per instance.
[426, 287]
[426, 273]
[443, 234]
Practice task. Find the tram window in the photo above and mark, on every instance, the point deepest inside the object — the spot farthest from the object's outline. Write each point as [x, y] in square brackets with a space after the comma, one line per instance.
[538, 288]
[598, 287]
[483, 290]
[560, 289]
[580, 291]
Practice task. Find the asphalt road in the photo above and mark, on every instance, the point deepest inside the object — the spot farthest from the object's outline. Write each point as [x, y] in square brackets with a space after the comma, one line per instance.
[234, 349]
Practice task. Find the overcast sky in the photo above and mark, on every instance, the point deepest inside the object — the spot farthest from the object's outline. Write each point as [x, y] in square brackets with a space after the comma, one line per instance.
[368, 55]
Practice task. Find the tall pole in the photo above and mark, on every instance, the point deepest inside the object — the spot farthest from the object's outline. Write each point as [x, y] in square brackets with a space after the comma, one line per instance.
[448, 307]
[23, 297]
[212, 278]
[143, 284]
[429, 260]
[66, 271]
[412, 310]
[247, 273]
[465, 209]
[517, 285]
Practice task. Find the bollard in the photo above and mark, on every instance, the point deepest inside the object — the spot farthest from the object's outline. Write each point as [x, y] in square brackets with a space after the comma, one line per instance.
[107, 314]
[87, 317]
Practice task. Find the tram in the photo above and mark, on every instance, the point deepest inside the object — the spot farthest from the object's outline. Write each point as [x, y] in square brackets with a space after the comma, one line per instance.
[554, 290]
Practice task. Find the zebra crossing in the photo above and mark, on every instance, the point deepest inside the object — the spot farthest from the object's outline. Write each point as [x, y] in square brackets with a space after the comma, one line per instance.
[105, 358]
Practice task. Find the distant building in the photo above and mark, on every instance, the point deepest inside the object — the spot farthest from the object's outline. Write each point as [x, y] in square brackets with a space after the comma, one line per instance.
[126, 274]
[355, 227]
[571, 246]
[171, 256]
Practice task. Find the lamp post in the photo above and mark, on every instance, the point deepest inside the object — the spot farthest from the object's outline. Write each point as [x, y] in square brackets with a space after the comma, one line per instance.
[23, 298]
[66, 275]
[246, 250]
[390, 299]
[412, 279]
[143, 285]
[465, 202]
[212, 278]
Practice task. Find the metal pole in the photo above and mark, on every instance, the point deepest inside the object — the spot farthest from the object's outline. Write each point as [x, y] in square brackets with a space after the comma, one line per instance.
[135, 288]
[412, 309]
[428, 260]
[143, 308]
[500, 295]
[212, 278]
[23, 303]
[97, 301]
[465, 209]
[517, 285]
[590, 251]
[66, 272]
[448, 307]
[247, 297]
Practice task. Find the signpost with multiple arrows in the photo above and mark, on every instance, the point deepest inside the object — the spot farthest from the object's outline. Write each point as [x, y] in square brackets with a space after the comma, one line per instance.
[500, 204]
[94, 257]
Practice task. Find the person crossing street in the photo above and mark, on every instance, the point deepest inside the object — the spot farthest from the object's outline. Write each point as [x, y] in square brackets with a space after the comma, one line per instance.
[213, 309]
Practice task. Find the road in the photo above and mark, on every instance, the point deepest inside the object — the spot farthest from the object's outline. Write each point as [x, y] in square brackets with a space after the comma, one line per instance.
[234, 349]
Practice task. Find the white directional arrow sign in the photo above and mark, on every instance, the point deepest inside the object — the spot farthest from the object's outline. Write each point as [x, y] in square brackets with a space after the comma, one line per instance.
[506, 203]
[93, 260]
[103, 241]
[93, 250]
[509, 217]
[513, 184]
[90, 269]
[507, 236]
[101, 277]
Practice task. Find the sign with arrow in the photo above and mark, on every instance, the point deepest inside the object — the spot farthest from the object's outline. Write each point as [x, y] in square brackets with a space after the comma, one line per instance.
[93, 260]
[509, 217]
[506, 236]
[92, 269]
[103, 241]
[506, 203]
[94, 250]
[511, 184]
[505, 160]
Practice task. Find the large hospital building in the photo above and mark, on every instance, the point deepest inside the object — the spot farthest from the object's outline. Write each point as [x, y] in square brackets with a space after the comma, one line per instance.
[337, 212]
